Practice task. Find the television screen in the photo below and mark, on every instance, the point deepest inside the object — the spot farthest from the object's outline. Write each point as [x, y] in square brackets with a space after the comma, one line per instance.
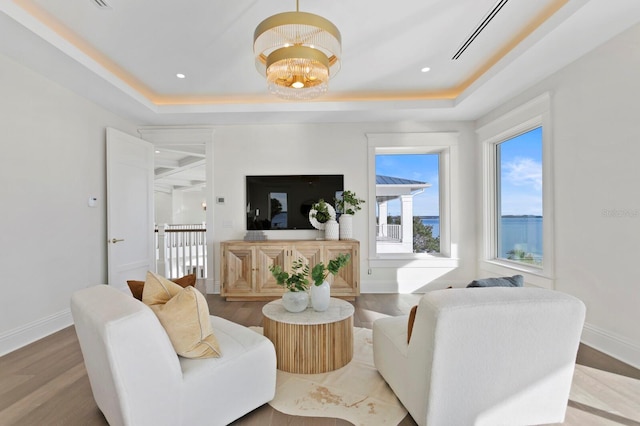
[283, 202]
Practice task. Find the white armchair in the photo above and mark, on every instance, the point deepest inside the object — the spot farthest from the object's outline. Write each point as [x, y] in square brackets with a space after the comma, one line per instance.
[488, 356]
[137, 378]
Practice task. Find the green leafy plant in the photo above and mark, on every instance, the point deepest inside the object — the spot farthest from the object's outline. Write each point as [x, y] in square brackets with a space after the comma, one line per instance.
[521, 256]
[349, 203]
[319, 272]
[296, 281]
[321, 211]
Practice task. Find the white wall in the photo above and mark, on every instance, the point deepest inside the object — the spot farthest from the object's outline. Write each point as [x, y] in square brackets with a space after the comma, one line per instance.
[335, 149]
[190, 209]
[596, 150]
[180, 207]
[52, 160]
[163, 204]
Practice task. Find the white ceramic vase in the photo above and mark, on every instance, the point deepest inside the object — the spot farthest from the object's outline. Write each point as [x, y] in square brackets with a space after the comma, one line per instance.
[295, 301]
[331, 230]
[320, 295]
[346, 226]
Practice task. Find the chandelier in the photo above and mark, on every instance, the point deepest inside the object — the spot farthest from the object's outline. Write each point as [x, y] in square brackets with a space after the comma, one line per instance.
[298, 52]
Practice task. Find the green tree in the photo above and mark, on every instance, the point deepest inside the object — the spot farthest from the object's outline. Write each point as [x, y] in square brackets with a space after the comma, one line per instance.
[423, 239]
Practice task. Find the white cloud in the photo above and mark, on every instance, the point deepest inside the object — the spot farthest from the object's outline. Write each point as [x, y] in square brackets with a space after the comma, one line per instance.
[523, 172]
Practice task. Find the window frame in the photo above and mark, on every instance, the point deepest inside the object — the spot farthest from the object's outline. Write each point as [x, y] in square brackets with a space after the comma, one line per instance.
[533, 114]
[443, 143]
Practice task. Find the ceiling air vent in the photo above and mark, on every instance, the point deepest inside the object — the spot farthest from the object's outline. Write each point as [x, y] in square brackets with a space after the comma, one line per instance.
[488, 18]
[102, 4]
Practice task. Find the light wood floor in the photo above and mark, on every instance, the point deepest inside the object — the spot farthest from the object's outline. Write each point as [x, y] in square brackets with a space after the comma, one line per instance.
[45, 383]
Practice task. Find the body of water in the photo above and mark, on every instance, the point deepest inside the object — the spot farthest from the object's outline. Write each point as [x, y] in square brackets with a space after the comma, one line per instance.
[433, 222]
[518, 233]
[521, 233]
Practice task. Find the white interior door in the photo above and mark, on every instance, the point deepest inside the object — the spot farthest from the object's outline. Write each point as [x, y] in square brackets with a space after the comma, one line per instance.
[130, 216]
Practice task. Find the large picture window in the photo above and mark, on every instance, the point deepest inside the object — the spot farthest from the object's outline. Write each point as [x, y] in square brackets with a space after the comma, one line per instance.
[519, 198]
[517, 194]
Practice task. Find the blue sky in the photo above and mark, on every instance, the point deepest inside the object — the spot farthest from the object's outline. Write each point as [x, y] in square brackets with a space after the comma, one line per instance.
[420, 167]
[521, 176]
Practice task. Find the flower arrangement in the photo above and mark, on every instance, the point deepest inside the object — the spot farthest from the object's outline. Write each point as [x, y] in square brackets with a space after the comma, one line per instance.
[297, 281]
[349, 203]
[319, 273]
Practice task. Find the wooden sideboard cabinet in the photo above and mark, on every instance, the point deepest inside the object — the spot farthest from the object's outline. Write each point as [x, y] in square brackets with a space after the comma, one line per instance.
[245, 274]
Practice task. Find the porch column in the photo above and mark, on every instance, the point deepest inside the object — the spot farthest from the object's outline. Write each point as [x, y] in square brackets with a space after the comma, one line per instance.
[406, 211]
[382, 218]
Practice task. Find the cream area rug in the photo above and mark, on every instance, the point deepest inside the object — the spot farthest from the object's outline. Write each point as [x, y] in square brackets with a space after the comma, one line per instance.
[356, 392]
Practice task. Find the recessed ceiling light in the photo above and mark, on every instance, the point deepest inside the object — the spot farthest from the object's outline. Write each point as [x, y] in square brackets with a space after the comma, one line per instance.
[425, 69]
[180, 75]
[157, 152]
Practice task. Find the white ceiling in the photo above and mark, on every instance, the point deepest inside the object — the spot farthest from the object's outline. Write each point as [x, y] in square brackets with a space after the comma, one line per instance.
[181, 167]
[126, 57]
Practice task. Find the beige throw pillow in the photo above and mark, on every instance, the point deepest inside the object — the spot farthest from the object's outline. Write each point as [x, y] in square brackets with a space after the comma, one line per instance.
[184, 314]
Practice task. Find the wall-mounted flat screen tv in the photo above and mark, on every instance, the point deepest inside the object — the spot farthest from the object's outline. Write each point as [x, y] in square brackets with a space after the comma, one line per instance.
[283, 202]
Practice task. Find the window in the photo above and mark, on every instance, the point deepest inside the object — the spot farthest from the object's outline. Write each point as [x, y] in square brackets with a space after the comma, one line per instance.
[407, 203]
[517, 226]
[519, 197]
[409, 177]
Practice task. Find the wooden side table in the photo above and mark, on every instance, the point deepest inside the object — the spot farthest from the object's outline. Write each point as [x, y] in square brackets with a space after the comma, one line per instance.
[310, 342]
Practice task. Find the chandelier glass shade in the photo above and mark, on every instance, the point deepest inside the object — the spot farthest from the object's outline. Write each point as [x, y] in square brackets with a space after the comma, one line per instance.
[297, 52]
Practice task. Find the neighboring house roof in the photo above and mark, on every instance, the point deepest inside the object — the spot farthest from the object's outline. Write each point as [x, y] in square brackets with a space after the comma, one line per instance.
[389, 180]
[389, 187]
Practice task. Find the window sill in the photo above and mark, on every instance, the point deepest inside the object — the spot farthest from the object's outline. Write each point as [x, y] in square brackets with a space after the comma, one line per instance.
[415, 261]
[532, 276]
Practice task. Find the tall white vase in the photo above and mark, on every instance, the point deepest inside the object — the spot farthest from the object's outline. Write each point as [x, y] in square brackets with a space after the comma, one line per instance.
[320, 295]
[346, 226]
[331, 230]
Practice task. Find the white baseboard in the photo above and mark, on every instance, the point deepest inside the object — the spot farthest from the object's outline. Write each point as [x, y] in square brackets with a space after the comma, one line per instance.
[385, 286]
[611, 344]
[371, 286]
[29, 333]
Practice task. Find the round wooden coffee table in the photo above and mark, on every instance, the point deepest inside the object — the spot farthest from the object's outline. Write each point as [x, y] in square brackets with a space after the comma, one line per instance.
[310, 342]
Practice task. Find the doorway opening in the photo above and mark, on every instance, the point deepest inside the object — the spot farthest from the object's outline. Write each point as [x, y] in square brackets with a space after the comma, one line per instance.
[180, 200]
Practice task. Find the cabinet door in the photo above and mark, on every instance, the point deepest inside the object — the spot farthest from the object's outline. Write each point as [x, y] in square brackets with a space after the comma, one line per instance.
[267, 255]
[346, 281]
[311, 254]
[238, 269]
